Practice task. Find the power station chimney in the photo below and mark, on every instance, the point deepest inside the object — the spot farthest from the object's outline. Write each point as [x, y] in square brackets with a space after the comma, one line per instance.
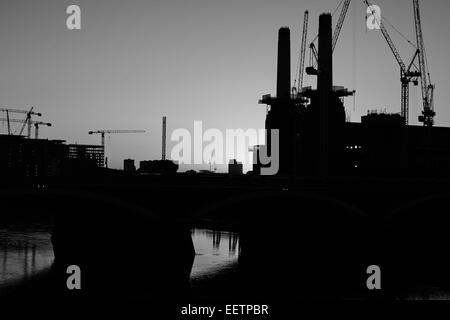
[164, 138]
[284, 64]
[325, 88]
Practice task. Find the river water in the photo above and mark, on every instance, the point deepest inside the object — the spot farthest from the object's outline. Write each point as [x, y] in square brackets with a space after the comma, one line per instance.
[27, 251]
[215, 251]
[24, 252]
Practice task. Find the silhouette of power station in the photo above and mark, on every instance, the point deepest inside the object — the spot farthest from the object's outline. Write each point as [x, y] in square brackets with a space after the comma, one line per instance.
[316, 140]
[314, 137]
[346, 224]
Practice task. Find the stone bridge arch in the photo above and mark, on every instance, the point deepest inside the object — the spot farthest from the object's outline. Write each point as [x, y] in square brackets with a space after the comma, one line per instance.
[299, 243]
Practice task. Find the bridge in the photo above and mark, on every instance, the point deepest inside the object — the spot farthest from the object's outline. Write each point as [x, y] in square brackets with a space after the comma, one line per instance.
[316, 235]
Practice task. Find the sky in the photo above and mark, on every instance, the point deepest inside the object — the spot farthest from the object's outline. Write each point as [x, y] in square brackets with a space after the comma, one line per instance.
[135, 61]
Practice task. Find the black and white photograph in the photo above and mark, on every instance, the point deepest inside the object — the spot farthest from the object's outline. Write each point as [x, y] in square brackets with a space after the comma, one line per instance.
[224, 159]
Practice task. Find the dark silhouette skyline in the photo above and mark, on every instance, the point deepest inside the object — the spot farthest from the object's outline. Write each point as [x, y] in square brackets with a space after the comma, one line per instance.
[347, 197]
[124, 64]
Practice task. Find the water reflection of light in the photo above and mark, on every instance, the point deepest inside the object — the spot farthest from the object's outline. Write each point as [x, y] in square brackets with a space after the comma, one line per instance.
[215, 250]
[24, 252]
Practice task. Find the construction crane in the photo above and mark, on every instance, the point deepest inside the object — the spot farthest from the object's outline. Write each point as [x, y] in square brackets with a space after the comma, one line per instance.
[105, 132]
[340, 23]
[312, 69]
[36, 127]
[302, 53]
[164, 131]
[25, 122]
[407, 74]
[428, 114]
[35, 123]
[7, 119]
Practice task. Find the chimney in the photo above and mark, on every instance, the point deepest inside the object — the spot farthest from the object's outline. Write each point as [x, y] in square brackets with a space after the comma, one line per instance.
[325, 87]
[284, 64]
[164, 138]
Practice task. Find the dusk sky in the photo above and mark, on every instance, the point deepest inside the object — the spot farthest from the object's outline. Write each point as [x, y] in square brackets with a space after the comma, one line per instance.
[135, 61]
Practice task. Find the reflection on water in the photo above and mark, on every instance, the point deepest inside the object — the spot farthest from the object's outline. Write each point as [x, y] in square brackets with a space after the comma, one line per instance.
[215, 250]
[24, 252]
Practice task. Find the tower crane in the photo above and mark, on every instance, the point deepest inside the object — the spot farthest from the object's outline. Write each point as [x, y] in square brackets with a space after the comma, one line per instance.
[302, 53]
[25, 122]
[35, 123]
[427, 117]
[36, 127]
[407, 74]
[105, 132]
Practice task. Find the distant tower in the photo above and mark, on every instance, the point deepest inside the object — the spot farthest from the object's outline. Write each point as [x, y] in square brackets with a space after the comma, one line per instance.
[164, 139]
[128, 165]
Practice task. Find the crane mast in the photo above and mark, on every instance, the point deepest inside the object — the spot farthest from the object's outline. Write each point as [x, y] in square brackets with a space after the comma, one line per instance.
[303, 51]
[27, 121]
[428, 113]
[8, 122]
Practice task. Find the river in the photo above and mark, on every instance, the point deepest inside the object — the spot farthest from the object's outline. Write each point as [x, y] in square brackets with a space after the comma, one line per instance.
[26, 251]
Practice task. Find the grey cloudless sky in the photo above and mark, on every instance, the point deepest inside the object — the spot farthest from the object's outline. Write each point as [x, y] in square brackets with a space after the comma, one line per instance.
[211, 60]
